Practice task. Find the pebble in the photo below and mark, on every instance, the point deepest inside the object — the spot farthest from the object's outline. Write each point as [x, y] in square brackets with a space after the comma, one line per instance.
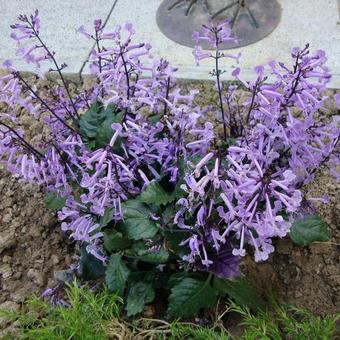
[19, 295]
[6, 259]
[55, 259]
[7, 239]
[5, 271]
[36, 277]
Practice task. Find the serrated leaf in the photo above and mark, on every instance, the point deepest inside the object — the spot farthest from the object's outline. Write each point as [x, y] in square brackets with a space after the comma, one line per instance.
[174, 239]
[114, 240]
[240, 290]
[54, 202]
[188, 296]
[140, 294]
[106, 218]
[155, 119]
[155, 194]
[137, 223]
[117, 274]
[105, 131]
[90, 267]
[308, 230]
[95, 125]
[176, 278]
[141, 252]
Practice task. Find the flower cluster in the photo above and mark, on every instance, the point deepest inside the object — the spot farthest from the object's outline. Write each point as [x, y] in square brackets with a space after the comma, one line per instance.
[250, 192]
[131, 159]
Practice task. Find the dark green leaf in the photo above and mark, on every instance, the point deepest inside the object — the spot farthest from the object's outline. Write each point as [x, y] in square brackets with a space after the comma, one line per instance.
[308, 230]
[95, 125]
[140, 294]
[90, 267]
[117, 274]
[155, 194]
[155, 119]
[137, 224]
[239, 290]
[174, 239]
[142, 252]
[105, 131]
[176, 278]
[106, 218]
[114, 240]
[54, 202]
[188, 296]
[168, 214]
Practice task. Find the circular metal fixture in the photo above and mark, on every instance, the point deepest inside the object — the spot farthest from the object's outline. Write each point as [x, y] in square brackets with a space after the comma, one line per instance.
[251, 20]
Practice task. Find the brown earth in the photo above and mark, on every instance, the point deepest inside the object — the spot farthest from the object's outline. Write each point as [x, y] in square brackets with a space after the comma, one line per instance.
[32, 246]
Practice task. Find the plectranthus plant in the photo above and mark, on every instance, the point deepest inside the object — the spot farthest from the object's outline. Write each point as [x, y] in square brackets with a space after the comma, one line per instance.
[161, 203]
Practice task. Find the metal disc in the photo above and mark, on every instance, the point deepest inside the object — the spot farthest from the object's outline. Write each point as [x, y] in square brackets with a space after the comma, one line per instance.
[177, 26]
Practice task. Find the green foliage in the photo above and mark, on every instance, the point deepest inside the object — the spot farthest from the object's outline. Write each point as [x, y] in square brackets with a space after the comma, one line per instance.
[189, 295]
[285, 322]
[54, 202]
[95, 125]
[142, 252]
[241, 291]
[308, 230]
[106, 218]
[114, 240]
[139, 294]
[155, 194]
[87, 318]
[116, 274]
[90, 267]
[191, 331]
[137, 222]
[95, 315]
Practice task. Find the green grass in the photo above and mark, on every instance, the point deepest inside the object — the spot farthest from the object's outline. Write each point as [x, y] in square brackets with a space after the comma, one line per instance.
[285, 322]
[87, 318]
[96, 316]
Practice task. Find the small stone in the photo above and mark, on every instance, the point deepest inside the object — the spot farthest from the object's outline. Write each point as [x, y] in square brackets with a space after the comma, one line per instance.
[64, 275]
[35, 231]
[17, 276]
[6, 259]
[19, 295]
[36, 277]
[7, 218]
[10, 305]
[298, 294]
[7, 239]
[5, 271]
[55, 259]
[68, 260]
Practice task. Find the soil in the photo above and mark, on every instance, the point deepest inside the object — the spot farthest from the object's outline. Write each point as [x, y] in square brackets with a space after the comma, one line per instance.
[32, 247]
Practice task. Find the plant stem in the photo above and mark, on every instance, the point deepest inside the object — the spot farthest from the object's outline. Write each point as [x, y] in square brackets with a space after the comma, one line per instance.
[43, 102]
[57, 68]
[23, 141]
[167, 96]
[219, 87]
